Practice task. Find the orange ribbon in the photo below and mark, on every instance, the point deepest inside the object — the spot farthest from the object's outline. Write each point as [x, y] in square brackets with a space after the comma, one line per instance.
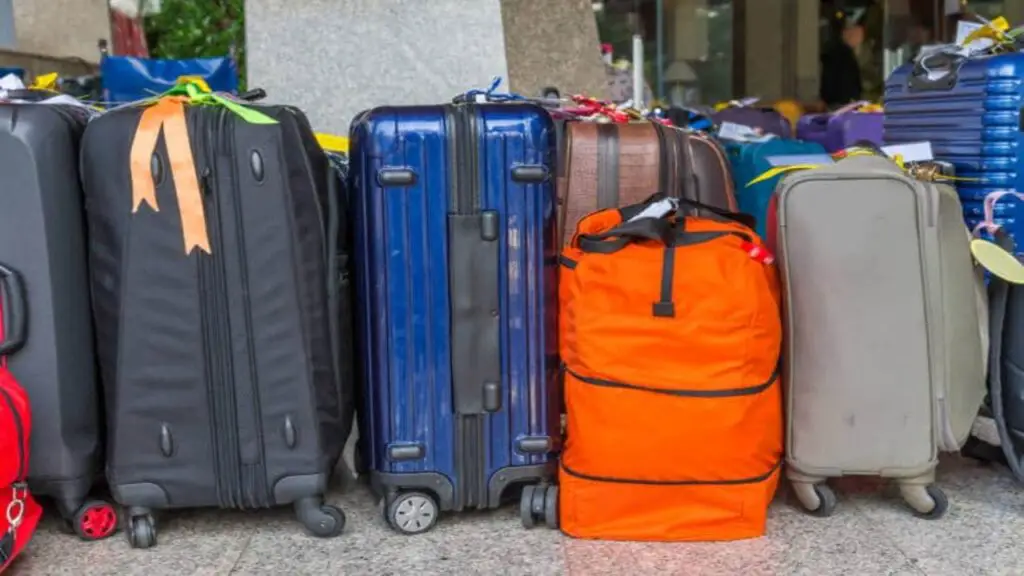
[168, 114]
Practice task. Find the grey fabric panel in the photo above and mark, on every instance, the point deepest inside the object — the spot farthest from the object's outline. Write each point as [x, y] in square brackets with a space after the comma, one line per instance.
[858, 368]
[475, 321]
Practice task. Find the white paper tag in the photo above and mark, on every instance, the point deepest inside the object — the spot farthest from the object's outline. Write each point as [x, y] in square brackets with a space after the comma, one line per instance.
[741, 133]
[795, 159]
[964, 29]
[912, 152]
[745, 102]
[11, 82]
[657, 210]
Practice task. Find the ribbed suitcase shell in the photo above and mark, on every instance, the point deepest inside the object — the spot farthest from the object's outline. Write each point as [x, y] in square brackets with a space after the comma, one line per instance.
[972, 119]
[42, 236]
[884, 359]
[456, 282]
[225, 373]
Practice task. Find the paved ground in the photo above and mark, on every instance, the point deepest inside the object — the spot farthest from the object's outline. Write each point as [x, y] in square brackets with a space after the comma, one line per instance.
[870, 534]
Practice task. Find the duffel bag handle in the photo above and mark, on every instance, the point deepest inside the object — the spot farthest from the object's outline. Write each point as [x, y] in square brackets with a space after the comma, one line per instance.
[611, 241]
[13, 313]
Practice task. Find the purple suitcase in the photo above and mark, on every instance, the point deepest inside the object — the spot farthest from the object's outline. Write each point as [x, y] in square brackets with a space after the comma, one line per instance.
[768, 120]
[842, 128]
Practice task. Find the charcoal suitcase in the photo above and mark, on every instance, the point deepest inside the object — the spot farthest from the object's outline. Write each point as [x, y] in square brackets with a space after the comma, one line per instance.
[456, 272]
[222, 328]
[42, 235]
[884, 359]
[970, 112]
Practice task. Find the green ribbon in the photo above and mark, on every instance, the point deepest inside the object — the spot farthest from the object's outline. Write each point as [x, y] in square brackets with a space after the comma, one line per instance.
[197, 95]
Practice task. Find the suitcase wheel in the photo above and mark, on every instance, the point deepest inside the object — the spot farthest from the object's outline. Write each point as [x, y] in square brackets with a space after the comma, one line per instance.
[95, 520]
[818, 499]
[539, 503]
[411, 512]
[141, 531]
[322, 520]
[928, 502]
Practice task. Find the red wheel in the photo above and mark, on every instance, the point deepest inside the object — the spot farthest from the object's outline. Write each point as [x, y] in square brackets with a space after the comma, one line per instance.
[95, 520]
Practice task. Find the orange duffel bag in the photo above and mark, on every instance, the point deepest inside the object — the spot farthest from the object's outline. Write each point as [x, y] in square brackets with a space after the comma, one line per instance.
[670, 334]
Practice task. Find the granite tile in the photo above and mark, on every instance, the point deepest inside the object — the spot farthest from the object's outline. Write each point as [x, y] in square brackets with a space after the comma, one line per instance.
[199, 542]
[490, 542]
[980, 535]
[553, 44]
[334, 58]
[795, 545]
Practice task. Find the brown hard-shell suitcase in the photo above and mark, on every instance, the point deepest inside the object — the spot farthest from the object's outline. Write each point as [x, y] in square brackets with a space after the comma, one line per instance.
[604, 165]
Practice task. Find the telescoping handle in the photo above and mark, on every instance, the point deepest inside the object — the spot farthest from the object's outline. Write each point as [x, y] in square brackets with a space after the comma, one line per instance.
[13, 311]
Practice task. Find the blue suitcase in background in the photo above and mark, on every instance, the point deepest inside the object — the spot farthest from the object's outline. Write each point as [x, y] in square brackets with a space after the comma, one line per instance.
[456, 280]
[970, 111]
[750, 160]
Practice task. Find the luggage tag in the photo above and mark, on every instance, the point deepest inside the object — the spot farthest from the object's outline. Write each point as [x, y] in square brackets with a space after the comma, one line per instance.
[742, 133]
[911, 152]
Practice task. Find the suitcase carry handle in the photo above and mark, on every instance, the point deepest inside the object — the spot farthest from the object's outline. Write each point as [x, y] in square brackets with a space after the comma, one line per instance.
[14, 312]
[253, 95]
[936, 63]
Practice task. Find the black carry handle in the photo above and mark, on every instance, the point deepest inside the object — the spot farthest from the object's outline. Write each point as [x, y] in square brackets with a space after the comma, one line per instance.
[15, 312]
[253, 95]
[936, 63]
[611, 241]
[739, 217]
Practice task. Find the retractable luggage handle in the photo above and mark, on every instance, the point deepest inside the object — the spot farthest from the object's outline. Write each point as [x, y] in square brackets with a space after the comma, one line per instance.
[14, 314]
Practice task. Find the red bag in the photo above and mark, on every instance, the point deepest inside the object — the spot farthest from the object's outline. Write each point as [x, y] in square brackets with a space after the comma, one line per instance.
[19, 512]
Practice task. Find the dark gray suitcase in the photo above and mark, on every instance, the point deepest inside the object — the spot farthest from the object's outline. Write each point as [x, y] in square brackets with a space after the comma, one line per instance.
[42, 235]
[227, 371]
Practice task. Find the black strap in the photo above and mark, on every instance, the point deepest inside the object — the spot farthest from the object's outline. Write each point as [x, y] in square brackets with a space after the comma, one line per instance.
[617, 238]
[999, 294]
[665, 307]
[722, 214]
[15, 312]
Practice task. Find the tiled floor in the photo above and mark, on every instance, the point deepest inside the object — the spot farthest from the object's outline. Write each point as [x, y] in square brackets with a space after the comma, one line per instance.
[870, 534]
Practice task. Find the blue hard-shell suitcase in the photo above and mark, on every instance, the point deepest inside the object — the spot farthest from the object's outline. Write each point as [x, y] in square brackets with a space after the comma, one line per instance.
[970, 111]
[750, 160]
[456, 283]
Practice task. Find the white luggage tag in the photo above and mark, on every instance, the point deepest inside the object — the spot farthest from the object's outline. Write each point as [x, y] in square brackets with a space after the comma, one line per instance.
[659, 209]
[742, 133]
[912, 152]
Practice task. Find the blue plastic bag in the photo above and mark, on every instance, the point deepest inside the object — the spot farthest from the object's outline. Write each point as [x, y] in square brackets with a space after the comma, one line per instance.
[130, 79]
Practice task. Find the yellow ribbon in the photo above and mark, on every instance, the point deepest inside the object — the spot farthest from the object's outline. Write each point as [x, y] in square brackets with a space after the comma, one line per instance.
[994, 30]
[45, 82]
[852, 152]
[197, 80]
[332, 143]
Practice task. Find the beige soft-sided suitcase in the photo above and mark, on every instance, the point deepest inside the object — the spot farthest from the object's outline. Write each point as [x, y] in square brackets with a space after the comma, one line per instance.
[884, 362]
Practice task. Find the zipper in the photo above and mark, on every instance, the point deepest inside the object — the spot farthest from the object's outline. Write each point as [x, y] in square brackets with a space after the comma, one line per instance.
[252, 478]
[465, 199]
[215, 306]
[22, 452]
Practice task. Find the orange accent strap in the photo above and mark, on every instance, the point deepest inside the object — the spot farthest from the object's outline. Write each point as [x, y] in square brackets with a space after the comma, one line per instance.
[169, 114]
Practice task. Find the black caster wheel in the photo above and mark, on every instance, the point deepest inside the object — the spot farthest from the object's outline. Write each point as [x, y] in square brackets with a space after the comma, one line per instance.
[826, 501]
[411, 512]
[551, 507]
[526, 507]
[95, 520]
[328, 524]
[940, 506]
[141, 532]
[321, 520]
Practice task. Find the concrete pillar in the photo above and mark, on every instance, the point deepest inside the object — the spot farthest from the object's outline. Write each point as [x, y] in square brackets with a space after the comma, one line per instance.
[807, 51]
[334, 58]
[553, 44]
[764, 30]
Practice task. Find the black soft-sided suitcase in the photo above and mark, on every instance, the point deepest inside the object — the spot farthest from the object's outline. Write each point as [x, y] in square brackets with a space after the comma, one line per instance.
[42, 235]
[227, 370]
